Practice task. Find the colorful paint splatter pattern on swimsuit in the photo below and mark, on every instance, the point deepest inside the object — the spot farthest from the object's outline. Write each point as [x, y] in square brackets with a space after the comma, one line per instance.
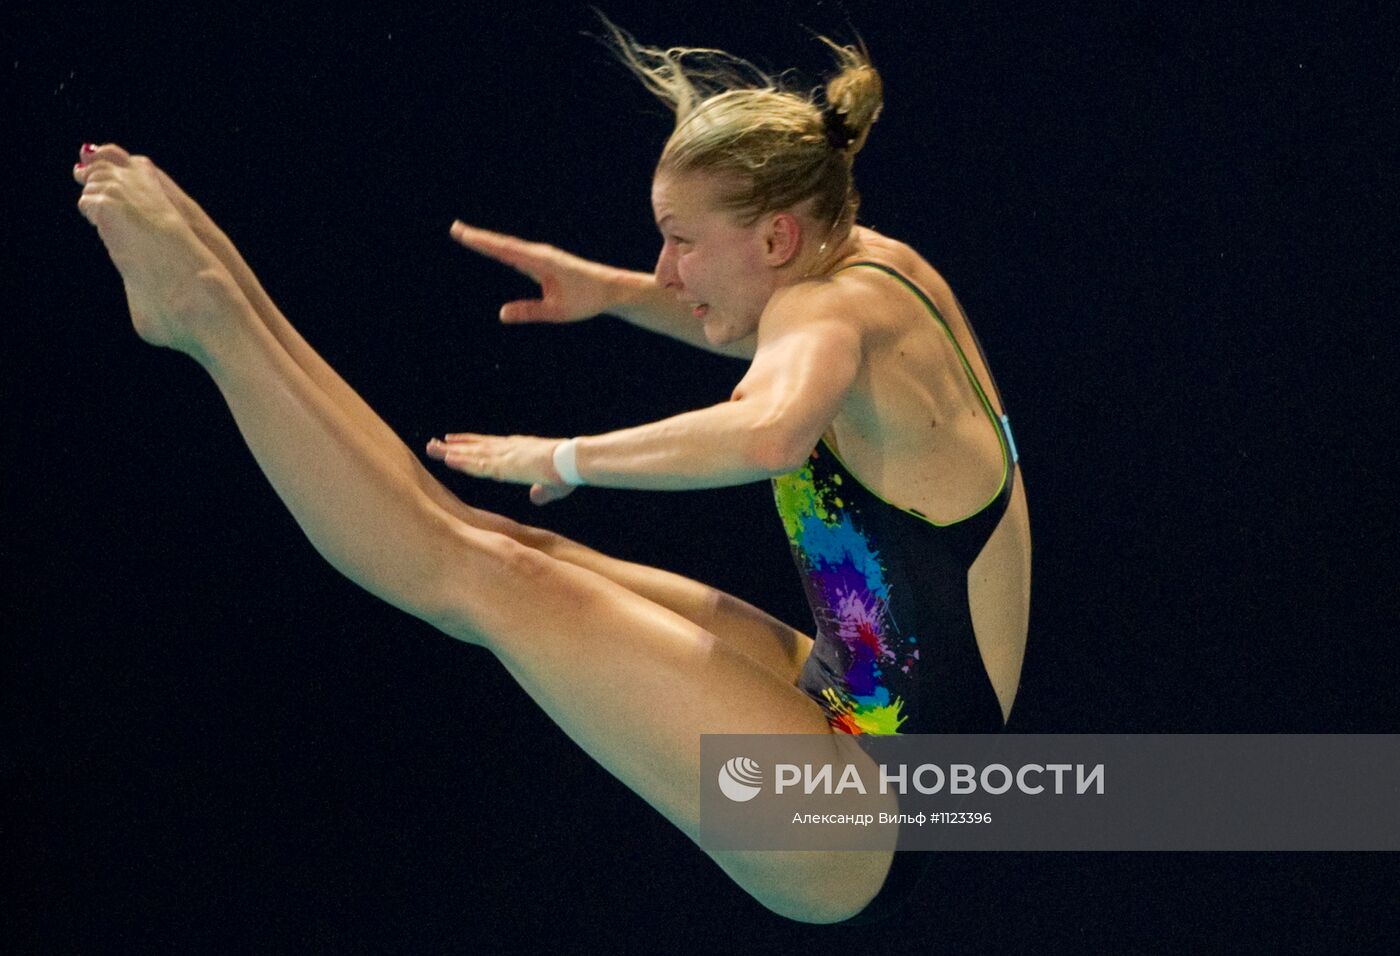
[850, 598]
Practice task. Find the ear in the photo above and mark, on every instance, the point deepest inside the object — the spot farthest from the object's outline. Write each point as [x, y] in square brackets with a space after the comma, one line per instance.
[782, 237]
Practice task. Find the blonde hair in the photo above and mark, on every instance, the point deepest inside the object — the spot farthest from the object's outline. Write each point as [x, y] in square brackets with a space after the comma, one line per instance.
[773, 148]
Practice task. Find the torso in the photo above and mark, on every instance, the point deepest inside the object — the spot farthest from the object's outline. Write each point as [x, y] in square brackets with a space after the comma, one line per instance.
[914, 431]
[913, 428]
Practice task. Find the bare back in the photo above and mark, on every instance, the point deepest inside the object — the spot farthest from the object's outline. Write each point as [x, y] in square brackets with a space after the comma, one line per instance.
[914, 431]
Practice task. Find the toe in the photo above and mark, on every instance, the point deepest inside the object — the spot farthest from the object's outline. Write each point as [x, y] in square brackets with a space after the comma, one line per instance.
[109, 152]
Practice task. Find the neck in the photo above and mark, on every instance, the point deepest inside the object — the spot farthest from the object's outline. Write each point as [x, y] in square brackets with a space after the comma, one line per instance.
[831, 250]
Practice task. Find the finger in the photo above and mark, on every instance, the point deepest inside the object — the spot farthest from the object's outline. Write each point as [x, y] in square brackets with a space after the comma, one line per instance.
[439, 448]
[528, 310]
[514, 252]
[464, 437]
[466, 464]
[546, 494]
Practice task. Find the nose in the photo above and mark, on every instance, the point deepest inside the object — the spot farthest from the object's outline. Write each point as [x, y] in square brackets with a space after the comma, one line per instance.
[666, 274]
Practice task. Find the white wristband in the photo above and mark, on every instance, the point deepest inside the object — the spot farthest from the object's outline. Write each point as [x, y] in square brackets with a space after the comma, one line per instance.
[566, 462]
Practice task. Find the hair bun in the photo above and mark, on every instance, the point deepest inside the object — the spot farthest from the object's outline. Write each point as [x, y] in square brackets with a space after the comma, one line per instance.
[854, 98]
[838, 134]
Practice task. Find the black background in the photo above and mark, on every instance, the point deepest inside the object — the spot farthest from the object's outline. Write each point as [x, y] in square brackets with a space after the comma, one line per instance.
[1169, 222]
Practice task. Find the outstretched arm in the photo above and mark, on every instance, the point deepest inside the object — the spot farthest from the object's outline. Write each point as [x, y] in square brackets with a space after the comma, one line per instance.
[641, 301]
[572, 289]
[795, 387]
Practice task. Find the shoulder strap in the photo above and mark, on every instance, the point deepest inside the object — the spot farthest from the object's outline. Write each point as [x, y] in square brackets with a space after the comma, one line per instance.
[1003, 421]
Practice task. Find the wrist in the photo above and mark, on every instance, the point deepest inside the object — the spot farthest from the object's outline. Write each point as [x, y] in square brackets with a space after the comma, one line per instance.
[565, 461]
[631, 293]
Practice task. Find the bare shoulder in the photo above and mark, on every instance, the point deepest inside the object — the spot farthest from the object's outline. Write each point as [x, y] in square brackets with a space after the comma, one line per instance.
[915, 270]
[877, 304]
[821, 313]
[901, 257]
[876, 308]
[857, 298]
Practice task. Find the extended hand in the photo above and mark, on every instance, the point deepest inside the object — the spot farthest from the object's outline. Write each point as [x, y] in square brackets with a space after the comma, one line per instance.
[570, 288]
[521, 459]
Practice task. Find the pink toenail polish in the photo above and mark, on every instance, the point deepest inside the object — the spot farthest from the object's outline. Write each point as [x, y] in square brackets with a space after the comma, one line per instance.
[80, 165]
[89, 148]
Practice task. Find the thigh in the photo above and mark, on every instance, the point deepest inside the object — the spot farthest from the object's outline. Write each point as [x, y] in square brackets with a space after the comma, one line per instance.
[747, 629]
[637, 686]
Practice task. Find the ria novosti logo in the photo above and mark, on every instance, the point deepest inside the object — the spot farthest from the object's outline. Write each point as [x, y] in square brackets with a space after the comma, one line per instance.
[740, 779]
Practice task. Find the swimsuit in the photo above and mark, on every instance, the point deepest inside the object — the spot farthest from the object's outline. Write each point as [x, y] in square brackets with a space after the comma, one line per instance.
[895, 651]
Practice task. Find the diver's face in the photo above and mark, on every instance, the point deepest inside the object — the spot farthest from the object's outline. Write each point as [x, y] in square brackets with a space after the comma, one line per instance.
[713, 263]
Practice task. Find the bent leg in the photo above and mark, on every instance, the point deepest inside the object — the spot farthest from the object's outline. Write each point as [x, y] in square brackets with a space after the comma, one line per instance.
[636, 685]
[757, 634]
[597, 657]
[749, 630]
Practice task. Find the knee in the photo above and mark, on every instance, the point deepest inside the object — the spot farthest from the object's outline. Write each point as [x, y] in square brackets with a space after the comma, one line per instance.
[525, 534]
[811, 886]
[834, 895]
[536, 539]
[490, 585]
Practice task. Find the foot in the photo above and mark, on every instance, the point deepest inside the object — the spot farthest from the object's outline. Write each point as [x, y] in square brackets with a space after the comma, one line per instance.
[172, 279]
[205, 229]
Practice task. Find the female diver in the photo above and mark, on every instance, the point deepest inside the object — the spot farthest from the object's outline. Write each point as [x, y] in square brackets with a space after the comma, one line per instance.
[866, 402]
